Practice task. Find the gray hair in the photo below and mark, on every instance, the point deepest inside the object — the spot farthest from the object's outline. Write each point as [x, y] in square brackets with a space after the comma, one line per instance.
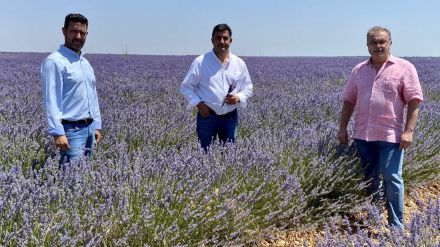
[377, 28]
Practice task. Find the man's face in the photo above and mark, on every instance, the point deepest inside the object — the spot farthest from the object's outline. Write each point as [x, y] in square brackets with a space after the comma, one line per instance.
[75, 35]
[379, 44]
[221, 41]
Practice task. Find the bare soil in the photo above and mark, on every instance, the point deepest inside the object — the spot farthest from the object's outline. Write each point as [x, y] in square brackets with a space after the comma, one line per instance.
[414, 199]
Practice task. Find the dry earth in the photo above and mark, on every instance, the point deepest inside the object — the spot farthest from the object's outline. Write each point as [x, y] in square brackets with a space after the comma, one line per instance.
[297, 238]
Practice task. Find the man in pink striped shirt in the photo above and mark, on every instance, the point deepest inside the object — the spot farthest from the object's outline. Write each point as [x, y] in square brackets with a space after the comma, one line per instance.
[378, 90]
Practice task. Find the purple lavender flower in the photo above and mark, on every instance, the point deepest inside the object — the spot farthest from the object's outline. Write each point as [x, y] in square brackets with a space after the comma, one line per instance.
[148, 182]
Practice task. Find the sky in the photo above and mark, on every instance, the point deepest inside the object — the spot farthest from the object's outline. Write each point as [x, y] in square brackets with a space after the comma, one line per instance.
[260, 28]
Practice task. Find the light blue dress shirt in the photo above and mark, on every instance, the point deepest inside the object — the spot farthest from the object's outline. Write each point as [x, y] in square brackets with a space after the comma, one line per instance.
[69, 90]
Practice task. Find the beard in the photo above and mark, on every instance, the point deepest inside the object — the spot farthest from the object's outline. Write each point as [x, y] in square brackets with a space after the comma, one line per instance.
[78, 42]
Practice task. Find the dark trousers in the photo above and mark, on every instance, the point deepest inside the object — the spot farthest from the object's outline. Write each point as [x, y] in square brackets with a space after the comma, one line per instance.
[222, 126]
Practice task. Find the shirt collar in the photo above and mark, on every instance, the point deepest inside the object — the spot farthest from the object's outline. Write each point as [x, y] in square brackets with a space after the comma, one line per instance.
[218, 60]
[391, 59]
[68, 52]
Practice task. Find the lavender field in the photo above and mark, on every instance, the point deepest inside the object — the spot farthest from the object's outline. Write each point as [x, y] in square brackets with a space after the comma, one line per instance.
[150, 184]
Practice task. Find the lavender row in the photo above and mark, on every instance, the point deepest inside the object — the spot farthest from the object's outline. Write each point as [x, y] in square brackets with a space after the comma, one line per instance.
[149, 183]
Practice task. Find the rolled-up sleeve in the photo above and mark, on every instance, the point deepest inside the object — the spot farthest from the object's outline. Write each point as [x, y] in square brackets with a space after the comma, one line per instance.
[411, 86]
[349, 94]
[52, 87]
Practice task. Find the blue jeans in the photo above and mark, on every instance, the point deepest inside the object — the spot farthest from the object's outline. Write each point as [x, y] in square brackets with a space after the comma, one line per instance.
[223, 126]
[386, 159]
[81, 138]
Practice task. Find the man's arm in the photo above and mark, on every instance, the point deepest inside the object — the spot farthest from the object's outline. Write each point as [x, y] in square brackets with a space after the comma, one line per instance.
[347, 111]
[245, 90]
[97, 122]
[189, 85]
[188, 89]
[410, 125]
[51, 78]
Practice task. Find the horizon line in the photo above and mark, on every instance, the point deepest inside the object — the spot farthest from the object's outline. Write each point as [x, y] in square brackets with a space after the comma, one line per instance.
[182, 55]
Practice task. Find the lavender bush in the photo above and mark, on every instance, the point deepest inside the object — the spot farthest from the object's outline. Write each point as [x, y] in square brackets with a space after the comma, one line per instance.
[422, 230]
[149, 183]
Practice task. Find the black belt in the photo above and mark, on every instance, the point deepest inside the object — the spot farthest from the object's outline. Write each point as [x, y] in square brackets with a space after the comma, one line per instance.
[81, 121]
[212, 112]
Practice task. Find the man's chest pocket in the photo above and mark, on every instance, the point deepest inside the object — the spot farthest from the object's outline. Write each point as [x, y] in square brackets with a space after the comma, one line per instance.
[389, 85]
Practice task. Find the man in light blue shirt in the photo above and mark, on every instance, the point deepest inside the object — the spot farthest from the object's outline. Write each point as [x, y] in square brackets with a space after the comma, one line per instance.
[69, 93]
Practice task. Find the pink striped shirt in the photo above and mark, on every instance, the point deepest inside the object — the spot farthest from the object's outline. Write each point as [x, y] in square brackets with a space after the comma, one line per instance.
[381, 97]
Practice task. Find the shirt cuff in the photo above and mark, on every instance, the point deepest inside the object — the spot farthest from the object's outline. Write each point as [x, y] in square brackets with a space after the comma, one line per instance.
[97, 125]
[418, 98]
[57, 131]
[243, 100]
[194, 102]
[353, 102]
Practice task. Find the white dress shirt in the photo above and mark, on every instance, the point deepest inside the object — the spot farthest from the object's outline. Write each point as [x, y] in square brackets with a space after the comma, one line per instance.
[208, 80]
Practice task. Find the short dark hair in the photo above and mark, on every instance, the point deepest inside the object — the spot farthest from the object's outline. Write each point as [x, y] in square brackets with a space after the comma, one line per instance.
[75, 18]
[220, 28]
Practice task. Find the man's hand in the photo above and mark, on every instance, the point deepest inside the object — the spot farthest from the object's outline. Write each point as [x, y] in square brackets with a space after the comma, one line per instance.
[347, 111]
[406, 139]
[232, 99]
[97, 136]
[343, 136]
[61, 142]
[203, 109]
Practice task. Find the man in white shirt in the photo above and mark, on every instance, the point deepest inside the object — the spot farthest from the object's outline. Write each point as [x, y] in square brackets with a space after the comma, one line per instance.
[217, 83]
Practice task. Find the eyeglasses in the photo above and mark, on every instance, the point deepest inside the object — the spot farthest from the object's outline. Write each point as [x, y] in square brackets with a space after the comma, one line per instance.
[378, 42]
